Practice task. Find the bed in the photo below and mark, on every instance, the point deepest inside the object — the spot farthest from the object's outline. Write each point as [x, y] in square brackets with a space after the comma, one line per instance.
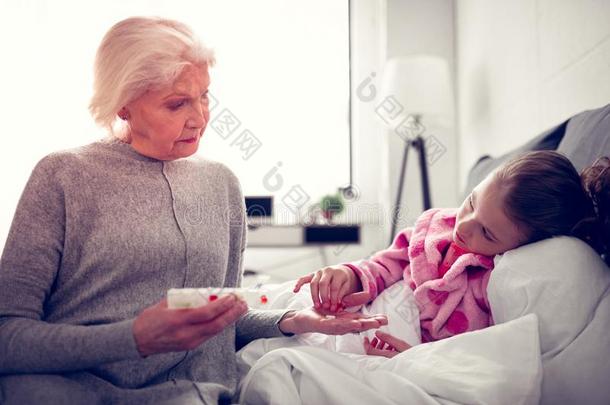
[550, 343]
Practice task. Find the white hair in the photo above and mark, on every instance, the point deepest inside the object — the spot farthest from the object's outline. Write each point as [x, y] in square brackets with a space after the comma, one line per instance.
[139, 54]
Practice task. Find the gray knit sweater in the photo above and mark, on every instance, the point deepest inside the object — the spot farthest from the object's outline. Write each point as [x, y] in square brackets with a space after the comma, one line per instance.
[102, 232]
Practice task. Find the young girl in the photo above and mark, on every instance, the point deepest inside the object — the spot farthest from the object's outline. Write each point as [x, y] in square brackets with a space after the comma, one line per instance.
[447, 257]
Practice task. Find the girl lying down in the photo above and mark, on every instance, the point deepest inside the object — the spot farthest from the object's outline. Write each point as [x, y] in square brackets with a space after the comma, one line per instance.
[446, 259]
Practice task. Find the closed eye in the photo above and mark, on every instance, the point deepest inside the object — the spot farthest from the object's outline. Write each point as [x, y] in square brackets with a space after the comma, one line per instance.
[176, 105]
[483, 229]
[487, 235]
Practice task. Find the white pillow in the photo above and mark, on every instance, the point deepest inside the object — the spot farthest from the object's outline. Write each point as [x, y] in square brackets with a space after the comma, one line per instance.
[567, 285]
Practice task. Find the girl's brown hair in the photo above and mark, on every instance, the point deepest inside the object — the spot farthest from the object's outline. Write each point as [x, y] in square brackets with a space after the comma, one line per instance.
[546, 197]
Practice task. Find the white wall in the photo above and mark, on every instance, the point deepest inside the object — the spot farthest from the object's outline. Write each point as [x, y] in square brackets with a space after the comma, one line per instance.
[524, 66]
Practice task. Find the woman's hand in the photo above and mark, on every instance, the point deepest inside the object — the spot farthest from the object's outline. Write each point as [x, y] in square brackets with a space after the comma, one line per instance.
[329, 286]
[312, 320]
[159, 329]
[385, 345]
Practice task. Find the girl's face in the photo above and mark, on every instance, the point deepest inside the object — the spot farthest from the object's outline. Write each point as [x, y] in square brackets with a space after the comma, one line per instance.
[482, 226]
[167, 123]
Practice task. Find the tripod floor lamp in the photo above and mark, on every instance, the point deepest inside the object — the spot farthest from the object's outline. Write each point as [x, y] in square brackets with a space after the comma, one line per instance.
[416, 89]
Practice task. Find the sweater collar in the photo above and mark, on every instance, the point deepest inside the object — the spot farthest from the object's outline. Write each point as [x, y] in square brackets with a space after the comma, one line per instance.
[126, 149]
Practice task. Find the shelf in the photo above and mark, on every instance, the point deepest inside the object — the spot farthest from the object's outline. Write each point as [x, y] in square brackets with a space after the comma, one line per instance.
[302, 235]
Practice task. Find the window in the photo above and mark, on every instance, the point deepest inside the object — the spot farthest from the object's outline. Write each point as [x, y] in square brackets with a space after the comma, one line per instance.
[282, 73]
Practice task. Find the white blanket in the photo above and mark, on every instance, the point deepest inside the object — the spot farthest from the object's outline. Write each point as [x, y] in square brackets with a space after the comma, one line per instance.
[497, 365]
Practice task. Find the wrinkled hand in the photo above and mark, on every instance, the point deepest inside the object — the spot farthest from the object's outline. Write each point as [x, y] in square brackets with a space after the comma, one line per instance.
[329, 286]
[313, 320]
[384, 344]
[159, 329]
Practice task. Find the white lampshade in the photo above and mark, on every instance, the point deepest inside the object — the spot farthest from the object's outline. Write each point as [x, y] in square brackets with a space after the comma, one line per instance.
[421, 84]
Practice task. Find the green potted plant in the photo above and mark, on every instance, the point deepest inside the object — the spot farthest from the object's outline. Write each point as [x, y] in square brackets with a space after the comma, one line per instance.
[331, 205]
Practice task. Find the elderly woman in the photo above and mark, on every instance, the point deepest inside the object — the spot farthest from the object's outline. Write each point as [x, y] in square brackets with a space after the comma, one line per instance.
[103, 231]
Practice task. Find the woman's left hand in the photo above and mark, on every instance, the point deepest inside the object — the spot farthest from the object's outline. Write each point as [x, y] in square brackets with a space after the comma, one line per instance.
[312, 320]
[385, 345]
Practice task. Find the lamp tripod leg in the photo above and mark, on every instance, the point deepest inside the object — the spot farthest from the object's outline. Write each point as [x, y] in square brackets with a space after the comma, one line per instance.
[403, 171]
[419, 144]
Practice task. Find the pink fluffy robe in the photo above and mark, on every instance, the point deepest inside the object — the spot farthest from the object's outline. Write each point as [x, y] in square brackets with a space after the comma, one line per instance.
[449, 283]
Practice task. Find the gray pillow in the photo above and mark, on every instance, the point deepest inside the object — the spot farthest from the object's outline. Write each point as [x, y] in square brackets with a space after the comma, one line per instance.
[486, 164]
[583, 138]
[587, 137]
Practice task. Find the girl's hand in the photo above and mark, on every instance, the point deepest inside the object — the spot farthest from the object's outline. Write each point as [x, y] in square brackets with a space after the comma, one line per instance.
[158, 329]
[312, 320]
[385, 345]
[329, 286]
